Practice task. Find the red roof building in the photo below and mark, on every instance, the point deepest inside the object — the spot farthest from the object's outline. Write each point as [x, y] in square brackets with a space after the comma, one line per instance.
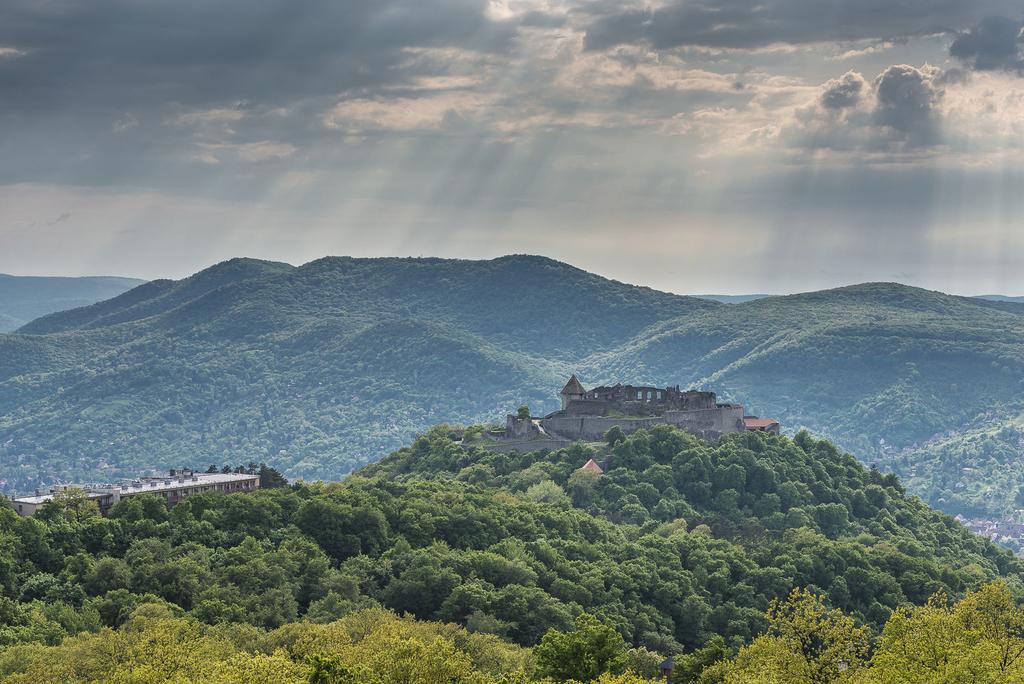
[592, 466]
[755, 424]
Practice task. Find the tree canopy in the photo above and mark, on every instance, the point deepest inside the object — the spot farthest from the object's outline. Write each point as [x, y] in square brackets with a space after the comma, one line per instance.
[682, 548]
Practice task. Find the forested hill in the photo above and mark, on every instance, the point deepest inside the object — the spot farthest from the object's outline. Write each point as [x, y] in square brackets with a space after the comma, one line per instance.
[679, 549]
[321, 368]
[24, 298]
[318, 368]
[883, 369]
[522, 303]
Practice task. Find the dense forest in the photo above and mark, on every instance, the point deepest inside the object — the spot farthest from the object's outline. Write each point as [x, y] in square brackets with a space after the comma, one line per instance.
[508, 567]
[977, 639]
[321, 369]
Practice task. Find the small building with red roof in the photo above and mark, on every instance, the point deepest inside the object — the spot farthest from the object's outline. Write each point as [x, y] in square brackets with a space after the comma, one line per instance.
[756, 424]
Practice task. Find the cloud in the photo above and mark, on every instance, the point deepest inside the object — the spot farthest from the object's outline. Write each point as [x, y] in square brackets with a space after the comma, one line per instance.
[217, 115]
[744, 25]
[117, 91]
[475, 104]
[844, 92]
[907, 102]
[402, 113]
[125, 123]
[741, 24]
[180, 132]
[854, 53]
[265, 150]
[994, 44]
[899, 112]
[121, 54]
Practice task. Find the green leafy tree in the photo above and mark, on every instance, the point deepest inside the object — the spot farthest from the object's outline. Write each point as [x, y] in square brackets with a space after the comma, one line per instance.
[584, 653]
[614, 435]
[271, 478]
[806, 643]
[583, 486]
[330, 670]
[547, 492]
[690, 667]
[71, 504]
[979, 639]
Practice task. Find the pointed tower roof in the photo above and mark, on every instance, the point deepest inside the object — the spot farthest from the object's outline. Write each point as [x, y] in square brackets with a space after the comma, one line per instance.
[592, 466]
[573, 386]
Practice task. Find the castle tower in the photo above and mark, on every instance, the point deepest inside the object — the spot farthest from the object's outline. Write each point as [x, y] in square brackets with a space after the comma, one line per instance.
[573, 391]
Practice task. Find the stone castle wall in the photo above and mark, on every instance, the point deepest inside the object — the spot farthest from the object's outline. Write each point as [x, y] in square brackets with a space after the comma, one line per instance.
[709, 423]
[627, 397]
[521, 428]
[528, 445]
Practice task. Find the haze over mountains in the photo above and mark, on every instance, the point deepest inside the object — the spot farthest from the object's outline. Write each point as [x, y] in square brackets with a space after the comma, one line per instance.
[1001, 298]
[24, 298]
[732, 299]
[321, 368]
[741, 298]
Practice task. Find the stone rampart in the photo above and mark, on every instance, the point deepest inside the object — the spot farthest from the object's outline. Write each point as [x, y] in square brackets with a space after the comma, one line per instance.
[708, 423]
[526, 446]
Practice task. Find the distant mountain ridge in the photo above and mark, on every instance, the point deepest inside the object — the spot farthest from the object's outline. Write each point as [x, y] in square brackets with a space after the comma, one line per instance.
[321, 368]
[25, 298]
[517, 298]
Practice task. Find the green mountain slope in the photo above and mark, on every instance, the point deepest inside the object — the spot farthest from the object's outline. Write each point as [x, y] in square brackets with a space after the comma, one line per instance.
[523, 303]
[860, 364]
[24, 298]
[321, 368]
[880, 368]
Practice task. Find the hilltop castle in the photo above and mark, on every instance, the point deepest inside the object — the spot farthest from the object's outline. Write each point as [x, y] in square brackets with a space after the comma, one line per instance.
[588, 414]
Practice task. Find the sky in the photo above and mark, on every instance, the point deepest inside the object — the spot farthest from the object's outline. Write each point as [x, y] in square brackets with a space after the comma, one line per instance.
[690, 145]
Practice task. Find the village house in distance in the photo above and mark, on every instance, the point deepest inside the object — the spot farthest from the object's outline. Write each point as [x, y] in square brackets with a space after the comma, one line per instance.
[588, 414]
[180, 484]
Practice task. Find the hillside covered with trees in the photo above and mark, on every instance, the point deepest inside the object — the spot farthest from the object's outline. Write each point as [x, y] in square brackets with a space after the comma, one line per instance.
[25, 298]
[507, 563]
[323, 368]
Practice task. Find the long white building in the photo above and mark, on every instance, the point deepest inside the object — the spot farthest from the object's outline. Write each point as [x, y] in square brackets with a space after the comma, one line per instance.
[177, 486]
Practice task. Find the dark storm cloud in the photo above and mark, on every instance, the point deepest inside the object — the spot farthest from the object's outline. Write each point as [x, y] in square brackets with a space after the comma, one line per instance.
[996, 43]
[123, 91]
[128, 54]
[744, 24]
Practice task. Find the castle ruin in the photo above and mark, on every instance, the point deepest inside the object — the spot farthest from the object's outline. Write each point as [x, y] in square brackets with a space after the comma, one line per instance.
[588, 414]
